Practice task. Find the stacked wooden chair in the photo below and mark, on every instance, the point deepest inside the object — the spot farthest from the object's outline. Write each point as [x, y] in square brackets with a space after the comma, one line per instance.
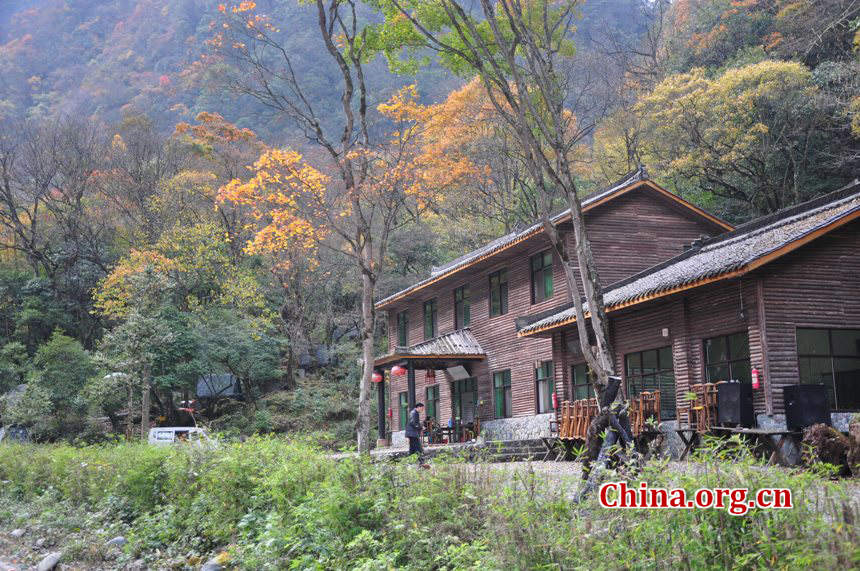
[644, 407]
[701, 411]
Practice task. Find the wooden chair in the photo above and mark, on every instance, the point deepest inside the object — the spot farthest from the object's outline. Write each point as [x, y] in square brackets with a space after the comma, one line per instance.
[701, 411]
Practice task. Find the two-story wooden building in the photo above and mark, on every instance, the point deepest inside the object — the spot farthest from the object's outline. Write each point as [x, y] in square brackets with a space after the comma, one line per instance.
[491, 335]
[464, 314]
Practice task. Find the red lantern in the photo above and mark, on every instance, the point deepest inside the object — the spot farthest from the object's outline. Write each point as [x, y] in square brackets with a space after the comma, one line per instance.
[398, 370]
[376, 377]
[755, 379]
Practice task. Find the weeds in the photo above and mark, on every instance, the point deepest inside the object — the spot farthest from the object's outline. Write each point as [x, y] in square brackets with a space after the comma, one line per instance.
[274, 504]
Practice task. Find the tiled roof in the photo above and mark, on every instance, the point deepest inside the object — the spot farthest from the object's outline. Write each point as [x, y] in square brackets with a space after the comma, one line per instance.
[739, 251]
[512, 238]
[460, 342]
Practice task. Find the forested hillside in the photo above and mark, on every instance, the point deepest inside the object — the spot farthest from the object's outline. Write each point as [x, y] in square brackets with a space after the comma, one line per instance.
[190, 187]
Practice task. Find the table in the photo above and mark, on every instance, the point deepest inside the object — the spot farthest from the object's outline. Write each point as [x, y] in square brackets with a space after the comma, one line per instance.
[561, 447]
[764, 435]
[689, 441]
[448, 433]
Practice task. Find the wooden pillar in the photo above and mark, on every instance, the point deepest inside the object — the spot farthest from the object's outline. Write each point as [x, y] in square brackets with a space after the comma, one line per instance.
[410, 384]
[380, 423]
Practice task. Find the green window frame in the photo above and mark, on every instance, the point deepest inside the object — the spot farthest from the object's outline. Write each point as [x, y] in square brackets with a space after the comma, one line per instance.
[404, 409]
[430, 319]
[462, 307]
[544, 387]
[498, 293]
[541, 265]
[727, 357]
[403, 329]
[831, 357]
[431, 397]
[649, 370]
[581, 379]
[502, 394]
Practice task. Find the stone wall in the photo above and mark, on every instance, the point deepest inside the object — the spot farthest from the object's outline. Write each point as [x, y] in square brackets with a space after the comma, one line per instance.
[518, 428]
[398, 439]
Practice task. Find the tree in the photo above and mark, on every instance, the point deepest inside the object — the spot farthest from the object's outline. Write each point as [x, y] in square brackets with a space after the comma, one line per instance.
[14, 364]
[520, 52]
[761, 136]
[62, 366]
[144, 335]
[246, 348]
[365, 188]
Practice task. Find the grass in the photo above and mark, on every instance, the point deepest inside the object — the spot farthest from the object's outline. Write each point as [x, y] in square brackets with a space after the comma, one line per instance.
[270, 503]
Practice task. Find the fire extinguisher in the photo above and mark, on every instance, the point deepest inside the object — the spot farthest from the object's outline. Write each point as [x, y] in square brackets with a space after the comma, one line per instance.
[755, 379]
[555, 401]
[390, 413]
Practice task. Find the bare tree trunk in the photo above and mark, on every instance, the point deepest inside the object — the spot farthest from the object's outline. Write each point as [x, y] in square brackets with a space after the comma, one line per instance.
[129, 421]
[144, 406]
[604, 363]
[368, 314]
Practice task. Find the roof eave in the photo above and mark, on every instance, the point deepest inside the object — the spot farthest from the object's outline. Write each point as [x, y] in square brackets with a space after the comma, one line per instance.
[388, 301]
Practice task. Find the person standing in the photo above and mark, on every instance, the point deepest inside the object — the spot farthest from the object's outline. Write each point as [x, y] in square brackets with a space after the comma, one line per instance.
[413, 432]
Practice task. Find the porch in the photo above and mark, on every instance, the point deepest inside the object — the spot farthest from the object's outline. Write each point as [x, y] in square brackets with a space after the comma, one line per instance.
[453, 356]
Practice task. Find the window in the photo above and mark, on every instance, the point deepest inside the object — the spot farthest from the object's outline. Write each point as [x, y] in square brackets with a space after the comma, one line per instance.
[502, 393]
[404, 410]
[583, 385]
[653, 370]
[432, 397]
[544, 387]
[462, 310]
[498, 293]
[727, 358]
[430, 319]
[402, 329]
[831, 357]
[465, 400]
[541, 276]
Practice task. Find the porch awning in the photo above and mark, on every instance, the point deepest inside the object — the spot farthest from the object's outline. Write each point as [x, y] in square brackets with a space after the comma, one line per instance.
[440, 352]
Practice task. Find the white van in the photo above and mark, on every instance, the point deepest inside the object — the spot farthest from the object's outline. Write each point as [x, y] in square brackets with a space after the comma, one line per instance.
[167, 435]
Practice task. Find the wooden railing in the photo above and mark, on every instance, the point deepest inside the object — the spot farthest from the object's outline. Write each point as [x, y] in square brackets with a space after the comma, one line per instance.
[644, 407]
[575, 418]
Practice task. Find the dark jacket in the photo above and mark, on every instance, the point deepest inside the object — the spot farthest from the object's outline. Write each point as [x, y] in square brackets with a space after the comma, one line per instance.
[413, 427]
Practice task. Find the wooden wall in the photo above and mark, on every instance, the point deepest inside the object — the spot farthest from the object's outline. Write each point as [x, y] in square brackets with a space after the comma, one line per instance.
[816, 286]
[629, 234]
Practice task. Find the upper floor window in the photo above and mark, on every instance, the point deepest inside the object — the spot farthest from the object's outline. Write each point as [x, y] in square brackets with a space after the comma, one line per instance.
[831, 357]
[542, 276]
[402, 329]
[498, 293]
[727, 358]
[649, 371]
[583, 387]
[430, 319]
[544, 387]
[462, 310]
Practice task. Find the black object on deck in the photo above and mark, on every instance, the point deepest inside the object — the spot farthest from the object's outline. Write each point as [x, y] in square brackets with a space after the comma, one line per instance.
[735, 404]
[805, 405]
